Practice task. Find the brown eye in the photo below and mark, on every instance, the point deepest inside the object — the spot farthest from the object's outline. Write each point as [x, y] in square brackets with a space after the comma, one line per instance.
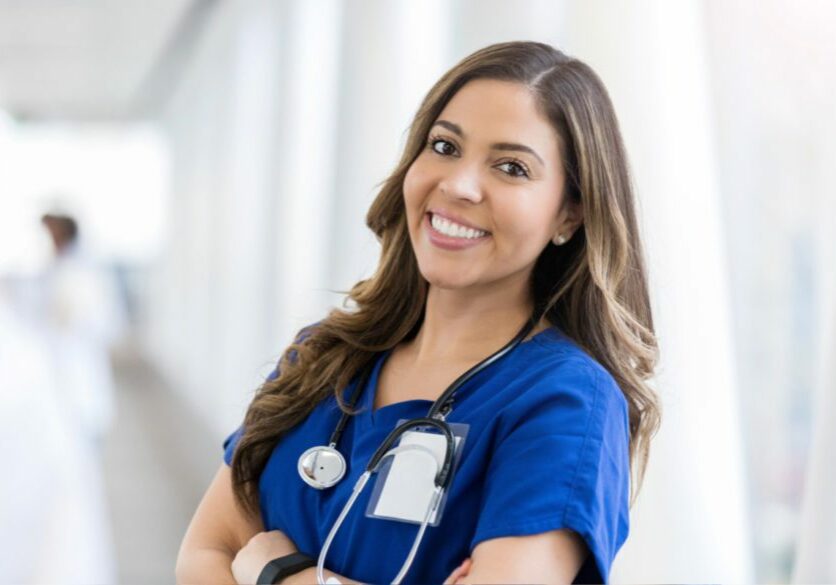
[434, 141]
[522, 170]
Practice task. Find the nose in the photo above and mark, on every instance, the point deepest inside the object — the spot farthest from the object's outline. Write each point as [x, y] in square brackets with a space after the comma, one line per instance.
[462, 183]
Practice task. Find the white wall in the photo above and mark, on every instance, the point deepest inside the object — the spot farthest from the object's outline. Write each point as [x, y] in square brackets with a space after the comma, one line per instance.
[208, 314]
[816, 552]
[690, 522]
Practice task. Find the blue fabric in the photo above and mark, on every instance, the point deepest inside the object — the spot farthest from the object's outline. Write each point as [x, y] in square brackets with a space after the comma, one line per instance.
[548, 448]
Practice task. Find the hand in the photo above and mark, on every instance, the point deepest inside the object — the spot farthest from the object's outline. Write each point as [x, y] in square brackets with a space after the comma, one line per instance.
[260, 550]
[459, 572]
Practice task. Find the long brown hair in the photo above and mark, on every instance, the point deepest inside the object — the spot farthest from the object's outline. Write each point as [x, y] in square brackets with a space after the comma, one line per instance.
[594, 287]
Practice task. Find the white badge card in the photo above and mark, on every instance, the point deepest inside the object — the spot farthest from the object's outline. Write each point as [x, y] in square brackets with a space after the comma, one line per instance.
[406, 480]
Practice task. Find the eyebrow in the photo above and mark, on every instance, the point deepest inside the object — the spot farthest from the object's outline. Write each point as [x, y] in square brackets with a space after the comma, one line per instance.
[456, 129]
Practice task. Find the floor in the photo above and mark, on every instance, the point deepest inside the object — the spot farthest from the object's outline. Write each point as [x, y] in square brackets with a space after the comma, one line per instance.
[156, 468]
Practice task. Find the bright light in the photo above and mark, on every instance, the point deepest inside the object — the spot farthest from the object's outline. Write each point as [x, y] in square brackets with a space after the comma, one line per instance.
[114, 180]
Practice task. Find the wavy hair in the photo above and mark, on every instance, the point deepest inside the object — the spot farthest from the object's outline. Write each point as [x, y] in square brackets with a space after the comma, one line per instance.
[594, 287]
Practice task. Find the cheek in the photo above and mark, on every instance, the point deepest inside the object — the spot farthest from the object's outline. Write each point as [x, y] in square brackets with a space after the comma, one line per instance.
[526, 227]
[409, 187]
[415, 188]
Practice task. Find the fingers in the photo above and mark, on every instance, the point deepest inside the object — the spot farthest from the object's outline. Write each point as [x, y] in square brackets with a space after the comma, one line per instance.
[453, 576]
[465, 570]
[459, 572]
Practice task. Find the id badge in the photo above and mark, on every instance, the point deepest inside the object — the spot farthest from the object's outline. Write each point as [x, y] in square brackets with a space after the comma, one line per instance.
[406, 481]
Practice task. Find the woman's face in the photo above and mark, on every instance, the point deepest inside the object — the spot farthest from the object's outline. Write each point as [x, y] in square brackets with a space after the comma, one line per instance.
[484, 197]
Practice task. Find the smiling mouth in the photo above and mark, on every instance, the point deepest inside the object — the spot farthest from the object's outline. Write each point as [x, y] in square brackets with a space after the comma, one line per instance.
[451, 229]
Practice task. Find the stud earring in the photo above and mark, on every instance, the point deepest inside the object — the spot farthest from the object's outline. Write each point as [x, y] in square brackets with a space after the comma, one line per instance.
[559, 240]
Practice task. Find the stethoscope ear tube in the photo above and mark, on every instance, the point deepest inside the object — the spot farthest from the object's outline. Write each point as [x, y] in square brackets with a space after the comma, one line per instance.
[444, 475]
[443, 405]
[358, 389]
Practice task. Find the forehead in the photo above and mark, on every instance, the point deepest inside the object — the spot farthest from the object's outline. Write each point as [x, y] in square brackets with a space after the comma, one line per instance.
[490, 110]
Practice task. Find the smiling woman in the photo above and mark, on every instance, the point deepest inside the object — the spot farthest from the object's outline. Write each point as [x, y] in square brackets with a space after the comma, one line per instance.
[463, 181]
[511, 207]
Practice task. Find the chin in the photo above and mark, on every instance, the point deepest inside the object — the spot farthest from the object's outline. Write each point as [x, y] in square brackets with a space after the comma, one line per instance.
[446, 279]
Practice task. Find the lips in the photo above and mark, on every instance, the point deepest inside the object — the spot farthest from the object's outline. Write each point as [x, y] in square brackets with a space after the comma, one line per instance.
[455, 219]
[450, 243]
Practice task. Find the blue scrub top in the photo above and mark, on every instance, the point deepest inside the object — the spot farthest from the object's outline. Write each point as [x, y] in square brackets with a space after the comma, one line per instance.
[547, 448]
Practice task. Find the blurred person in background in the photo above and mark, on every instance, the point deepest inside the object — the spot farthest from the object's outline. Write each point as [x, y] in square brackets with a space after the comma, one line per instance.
[55, 406]
[32, 433]
[84, 316]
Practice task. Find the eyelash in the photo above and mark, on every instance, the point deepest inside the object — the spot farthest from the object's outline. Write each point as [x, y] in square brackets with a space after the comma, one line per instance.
[433, 139]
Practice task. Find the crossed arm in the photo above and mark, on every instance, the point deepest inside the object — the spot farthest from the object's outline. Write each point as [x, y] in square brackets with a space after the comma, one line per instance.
[550, 557]
[222, 545]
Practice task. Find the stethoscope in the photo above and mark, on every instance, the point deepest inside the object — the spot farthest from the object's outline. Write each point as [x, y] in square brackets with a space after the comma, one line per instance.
[323, 466]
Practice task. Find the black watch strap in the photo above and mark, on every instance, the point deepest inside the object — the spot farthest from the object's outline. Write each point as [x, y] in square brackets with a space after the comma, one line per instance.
[282, 567]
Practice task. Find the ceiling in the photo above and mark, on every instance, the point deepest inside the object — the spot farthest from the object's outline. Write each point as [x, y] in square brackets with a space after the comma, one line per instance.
[92, 59]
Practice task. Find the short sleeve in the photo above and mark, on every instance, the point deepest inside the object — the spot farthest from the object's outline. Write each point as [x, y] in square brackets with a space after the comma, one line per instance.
[562, 461]
[231, 441]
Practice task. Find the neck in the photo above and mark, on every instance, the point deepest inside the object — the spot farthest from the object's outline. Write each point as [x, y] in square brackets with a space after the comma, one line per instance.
[460, 327]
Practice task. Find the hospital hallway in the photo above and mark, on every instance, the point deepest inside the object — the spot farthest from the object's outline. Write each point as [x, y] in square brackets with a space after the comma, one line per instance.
[158, 460]
[187, 184]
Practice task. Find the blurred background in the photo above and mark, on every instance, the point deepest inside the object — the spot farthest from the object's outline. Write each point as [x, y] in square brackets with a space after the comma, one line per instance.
[183, 185]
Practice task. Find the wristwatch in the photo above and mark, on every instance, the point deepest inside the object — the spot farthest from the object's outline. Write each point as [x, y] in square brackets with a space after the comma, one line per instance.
[278, 569]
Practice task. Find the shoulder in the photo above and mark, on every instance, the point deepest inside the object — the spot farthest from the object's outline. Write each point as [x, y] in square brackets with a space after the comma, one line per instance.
[557, 379]
[307, 330]
[301, 335]
[561, 366]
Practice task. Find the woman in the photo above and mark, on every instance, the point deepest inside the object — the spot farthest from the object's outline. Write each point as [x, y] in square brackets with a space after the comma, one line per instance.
[511, 203]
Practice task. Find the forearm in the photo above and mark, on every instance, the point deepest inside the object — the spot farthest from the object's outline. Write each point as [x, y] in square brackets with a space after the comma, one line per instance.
[205, 567]
[308, 576]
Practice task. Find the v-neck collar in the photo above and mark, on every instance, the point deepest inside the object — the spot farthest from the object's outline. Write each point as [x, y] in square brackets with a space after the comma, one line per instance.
[389, 414]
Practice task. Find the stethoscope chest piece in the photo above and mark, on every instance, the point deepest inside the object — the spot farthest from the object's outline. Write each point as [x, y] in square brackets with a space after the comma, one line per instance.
[321, 467]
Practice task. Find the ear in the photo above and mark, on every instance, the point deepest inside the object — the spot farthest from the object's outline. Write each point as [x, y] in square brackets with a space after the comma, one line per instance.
[571, 220]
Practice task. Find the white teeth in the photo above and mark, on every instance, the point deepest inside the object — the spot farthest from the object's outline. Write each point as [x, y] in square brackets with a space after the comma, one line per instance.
[448, 228]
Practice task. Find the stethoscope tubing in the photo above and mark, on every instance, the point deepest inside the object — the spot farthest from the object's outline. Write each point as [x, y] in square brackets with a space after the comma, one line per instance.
[436, 417]
[355, 493]
[443, 475]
